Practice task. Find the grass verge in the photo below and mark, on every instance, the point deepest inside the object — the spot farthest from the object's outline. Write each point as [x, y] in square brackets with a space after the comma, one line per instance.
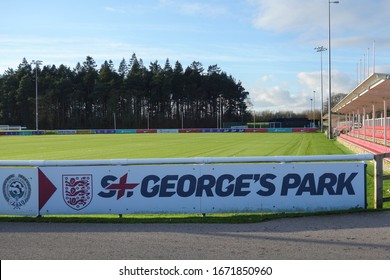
[224, 218]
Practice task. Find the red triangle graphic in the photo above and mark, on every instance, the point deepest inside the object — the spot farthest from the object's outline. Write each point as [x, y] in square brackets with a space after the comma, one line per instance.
[46, 189]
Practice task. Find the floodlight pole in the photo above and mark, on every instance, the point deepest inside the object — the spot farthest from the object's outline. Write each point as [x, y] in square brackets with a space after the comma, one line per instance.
[220, 110]
[148, 120]
[37, 63]
[254, 118]
[330, 136]
[148, 117]
[182, 115]
[320, 50]
[314, 108]
[311, 111]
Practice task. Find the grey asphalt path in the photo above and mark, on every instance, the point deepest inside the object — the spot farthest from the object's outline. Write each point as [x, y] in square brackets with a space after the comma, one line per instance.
[344, 236]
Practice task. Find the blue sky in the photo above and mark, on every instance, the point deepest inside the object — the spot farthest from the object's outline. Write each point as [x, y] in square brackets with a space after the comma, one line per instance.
[266, 44]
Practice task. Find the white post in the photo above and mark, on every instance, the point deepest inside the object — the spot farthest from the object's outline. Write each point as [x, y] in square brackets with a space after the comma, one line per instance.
[373, 122]
[358, 121]
[330, 132]
[384, 125]
[368, 62]
[373, 63]
[314, 108]
[321, 49]
[36, 96]
[378, 181]
[37, 63]
[364, 67]
[364, 122]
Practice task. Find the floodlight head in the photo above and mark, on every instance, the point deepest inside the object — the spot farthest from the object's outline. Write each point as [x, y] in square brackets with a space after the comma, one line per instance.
[320, 49]
[36, 62]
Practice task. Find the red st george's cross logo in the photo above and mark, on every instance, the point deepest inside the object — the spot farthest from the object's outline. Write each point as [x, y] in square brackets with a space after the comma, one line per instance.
[121, 187]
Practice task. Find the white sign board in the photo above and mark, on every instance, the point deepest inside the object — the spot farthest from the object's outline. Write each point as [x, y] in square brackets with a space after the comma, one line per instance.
[202, 188]
[19, 191]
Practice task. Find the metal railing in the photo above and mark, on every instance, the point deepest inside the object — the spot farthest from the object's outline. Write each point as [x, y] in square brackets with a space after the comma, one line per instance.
[379, 199]
[195, 160]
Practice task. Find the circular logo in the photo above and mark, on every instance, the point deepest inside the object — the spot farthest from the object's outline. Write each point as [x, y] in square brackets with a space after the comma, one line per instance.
[16, 190]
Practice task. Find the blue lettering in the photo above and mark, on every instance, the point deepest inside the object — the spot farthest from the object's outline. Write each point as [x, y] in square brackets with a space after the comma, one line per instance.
[240, 185]
[268, 186]
[332, 183]
[327, 181]
[308, 184]
[345, 184]
[145, 186]
[205, 184]
[105, 182]
[290, 181]
[188, 180]
[228, 185]
[166, 185]
[222, 191]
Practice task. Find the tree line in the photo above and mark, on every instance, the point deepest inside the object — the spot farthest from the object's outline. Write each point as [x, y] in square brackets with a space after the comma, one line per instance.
[132, 96]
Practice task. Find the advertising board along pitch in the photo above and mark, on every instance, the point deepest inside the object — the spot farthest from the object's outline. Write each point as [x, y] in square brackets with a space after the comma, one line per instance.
[190, 185]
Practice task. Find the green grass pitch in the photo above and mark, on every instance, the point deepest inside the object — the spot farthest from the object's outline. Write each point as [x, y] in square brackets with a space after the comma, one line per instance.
[115, 146]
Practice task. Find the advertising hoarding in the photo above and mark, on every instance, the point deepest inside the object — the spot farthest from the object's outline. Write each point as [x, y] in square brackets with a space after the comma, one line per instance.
[203, 188]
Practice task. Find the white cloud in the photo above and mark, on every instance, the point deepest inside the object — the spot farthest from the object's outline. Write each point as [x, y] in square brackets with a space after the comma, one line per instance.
[341, 82]
[382, 69]
[272, 98]
[311, 80]
[279, 98]
[200, 8]
[286, 15]
[355, 24]
[115, 10]
[194, 7]
[360, 18]
[266, 78]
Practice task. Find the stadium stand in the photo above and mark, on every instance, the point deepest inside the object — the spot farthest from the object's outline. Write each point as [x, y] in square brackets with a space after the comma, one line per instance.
[361, 117]
[368, 146]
